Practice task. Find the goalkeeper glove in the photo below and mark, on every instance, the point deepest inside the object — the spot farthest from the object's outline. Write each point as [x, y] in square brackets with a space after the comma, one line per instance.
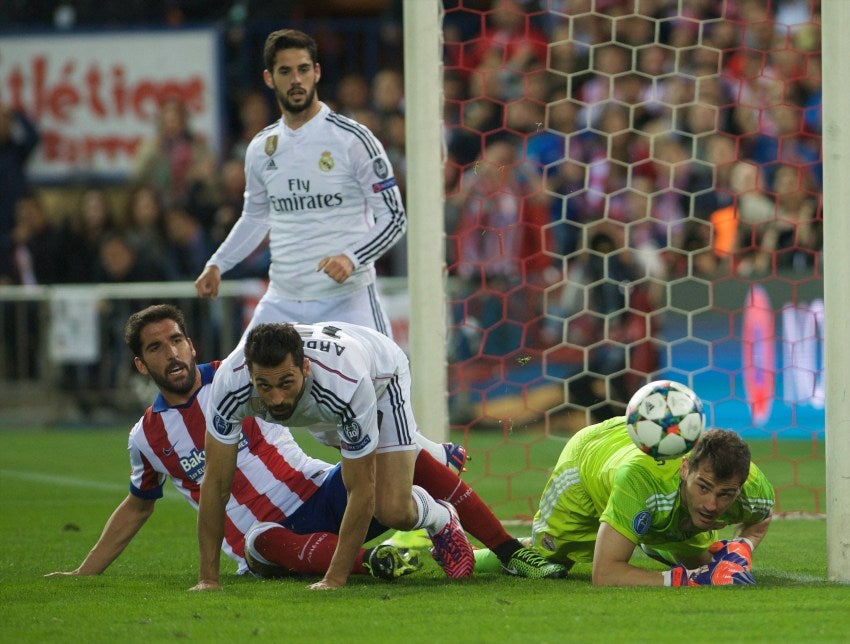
[717, 573]
[738, 551]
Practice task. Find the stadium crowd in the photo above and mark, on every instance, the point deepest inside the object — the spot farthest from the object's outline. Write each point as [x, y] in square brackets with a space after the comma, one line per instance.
[593, 154]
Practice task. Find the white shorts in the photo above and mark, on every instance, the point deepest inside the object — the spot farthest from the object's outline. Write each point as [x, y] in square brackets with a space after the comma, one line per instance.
[362, 307]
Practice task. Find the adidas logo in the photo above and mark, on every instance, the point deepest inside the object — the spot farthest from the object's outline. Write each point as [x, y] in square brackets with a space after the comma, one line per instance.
[271, 165]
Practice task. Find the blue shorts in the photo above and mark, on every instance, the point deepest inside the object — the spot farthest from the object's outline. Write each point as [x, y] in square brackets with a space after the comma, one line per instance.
[323, 511]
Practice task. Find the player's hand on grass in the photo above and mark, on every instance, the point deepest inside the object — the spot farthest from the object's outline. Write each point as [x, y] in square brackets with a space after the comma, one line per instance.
[69, 573]
[738, 551]
[326, 584]
[717, 573]
[206, 584]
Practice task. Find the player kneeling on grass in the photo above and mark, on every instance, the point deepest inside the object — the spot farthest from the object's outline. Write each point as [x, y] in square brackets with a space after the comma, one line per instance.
[605, 497]
[350, 387]
[299, 499]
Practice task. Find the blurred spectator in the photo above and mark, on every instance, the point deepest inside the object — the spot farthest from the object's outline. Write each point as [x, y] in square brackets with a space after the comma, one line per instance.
[18, 139]
[388, 93]
[83, 231]
[509, 40]
[120, 261]
[35, 256]
[255, 113]
[547, 145]
[173, 156]
[352, 94]
[189, 246]
[498, 205]
[739, 227]
[608, 307]
[812, 96]
[496, 241]
[786, 143]
[232, 182]
[145, 228]
[794, 239]
[607, 61]
[710, 183]
[204, 196]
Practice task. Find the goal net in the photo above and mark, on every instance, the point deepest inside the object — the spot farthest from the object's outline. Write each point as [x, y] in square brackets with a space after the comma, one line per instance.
[633, 192]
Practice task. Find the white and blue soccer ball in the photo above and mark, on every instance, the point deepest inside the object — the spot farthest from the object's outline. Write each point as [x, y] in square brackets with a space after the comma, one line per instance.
[665, 419]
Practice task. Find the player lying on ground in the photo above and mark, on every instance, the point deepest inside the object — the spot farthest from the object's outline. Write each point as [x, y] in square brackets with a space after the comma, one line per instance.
[605, 497]
[350, 387]
[287, 488]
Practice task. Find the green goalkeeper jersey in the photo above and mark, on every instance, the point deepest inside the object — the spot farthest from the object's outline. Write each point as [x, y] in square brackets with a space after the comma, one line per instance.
[602, 476]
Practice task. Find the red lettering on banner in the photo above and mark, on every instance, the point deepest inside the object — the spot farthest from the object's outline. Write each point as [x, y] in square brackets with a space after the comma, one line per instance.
[93, 85]
[102, 95]
[64, 149]
[119, 91]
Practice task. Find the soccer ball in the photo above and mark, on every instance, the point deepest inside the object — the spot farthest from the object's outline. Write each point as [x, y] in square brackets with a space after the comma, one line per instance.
[665, 419]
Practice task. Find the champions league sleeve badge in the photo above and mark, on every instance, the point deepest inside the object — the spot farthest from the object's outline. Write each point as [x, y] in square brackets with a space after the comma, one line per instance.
[221, 425]
[380, 168]
[641, 523]
[352, 432]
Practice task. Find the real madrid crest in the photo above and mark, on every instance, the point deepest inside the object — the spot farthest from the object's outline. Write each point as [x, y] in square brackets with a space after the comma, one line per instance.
[271, 144]
[326, 162]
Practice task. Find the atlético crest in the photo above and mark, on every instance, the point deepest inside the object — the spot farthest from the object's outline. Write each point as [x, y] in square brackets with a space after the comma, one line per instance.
[271, 144]
[326, 163]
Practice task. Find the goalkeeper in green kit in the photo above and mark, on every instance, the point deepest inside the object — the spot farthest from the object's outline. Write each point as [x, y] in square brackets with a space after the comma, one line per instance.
[606, 497]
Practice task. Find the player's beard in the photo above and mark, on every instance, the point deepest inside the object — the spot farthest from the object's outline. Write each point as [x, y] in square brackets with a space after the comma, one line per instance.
[181, 386]
[284, 411]
[295, 108]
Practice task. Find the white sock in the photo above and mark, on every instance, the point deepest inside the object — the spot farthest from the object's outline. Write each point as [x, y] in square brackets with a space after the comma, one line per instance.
[251, 536]
[434, 449]
[432, 516]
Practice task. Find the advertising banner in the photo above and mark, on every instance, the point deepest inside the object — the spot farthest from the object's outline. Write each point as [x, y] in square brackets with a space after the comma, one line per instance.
[94, 96]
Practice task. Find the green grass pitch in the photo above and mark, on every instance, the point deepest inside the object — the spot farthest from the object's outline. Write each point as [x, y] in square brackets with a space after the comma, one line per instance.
[58, 487]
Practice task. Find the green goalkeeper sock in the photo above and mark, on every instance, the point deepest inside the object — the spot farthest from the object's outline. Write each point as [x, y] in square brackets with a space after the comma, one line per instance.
[486, 561]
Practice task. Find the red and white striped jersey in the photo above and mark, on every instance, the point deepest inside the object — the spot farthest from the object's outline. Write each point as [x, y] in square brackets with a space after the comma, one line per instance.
[273, 475]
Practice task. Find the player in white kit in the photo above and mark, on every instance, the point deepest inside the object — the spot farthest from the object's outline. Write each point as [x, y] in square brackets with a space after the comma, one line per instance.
[349, 386]
[322, 187]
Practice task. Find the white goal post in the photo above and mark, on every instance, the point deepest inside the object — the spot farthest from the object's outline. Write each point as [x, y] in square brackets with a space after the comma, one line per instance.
[835, 26]
[423, 90]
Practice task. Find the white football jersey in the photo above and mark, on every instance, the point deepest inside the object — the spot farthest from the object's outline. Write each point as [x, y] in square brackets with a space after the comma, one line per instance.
[323, 189]
[356, 397]
[273, 475]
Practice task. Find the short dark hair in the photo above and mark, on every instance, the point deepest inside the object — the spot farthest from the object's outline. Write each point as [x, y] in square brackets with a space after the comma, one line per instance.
[288, 39]
[140, 319]
[726, 453]
[267, 345]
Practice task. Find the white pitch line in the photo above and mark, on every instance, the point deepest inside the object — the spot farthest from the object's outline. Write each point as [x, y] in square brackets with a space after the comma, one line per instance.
[71, 481]
[54, 479]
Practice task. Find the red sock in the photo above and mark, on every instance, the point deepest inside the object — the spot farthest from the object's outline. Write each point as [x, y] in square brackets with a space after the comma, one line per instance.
[475, 516]
[306, 554]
